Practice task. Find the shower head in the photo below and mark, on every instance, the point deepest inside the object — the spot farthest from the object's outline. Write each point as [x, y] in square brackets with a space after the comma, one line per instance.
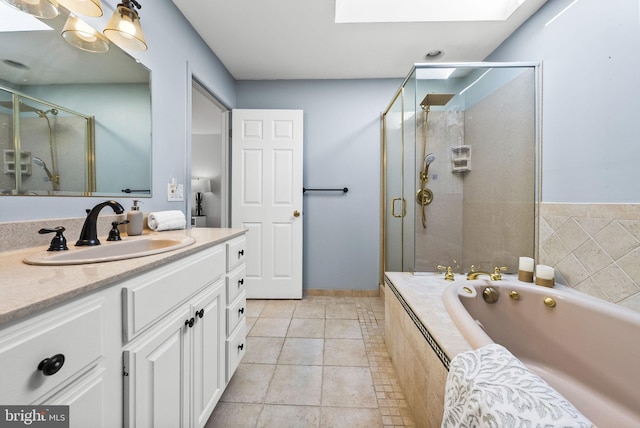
[38, 161]
[53, 111]
[429, 158]
[435, 100]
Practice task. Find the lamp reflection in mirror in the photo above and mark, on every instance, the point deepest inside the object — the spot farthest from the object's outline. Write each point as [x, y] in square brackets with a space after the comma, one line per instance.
[81, 35]
[124, 27]
[46, 9]
[83, 7]
[199, 186]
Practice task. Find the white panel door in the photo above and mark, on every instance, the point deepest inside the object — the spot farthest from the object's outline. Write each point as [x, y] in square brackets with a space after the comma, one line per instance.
[266, 195]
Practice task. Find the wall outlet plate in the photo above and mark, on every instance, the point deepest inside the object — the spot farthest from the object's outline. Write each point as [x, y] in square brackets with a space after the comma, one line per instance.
[175, 193]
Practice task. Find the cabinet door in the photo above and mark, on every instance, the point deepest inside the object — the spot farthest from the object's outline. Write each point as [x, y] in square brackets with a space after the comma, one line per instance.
[208, 338]
[156, 375]
[86, 400]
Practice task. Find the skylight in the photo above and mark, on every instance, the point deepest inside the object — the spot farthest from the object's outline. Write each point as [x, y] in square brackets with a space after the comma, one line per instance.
[11, 19]
[370, 11]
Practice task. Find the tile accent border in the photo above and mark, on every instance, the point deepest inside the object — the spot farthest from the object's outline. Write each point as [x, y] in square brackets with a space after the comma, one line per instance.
[442, 356]
[595, 249]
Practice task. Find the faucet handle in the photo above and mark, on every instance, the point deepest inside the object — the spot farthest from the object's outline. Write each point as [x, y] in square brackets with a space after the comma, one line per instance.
[59, 242]
[496, 273]
[448, 275]
[114, 233]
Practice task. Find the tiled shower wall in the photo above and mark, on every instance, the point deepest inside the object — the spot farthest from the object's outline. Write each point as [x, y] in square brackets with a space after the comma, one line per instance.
[595, 248]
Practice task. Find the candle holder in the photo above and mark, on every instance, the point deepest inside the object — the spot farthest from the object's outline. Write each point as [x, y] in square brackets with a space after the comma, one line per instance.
[545, 276]
[545, 282]
[525, 276]
[525, 269]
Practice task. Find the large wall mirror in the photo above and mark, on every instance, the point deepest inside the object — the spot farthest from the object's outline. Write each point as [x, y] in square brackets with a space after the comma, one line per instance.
[71, 122]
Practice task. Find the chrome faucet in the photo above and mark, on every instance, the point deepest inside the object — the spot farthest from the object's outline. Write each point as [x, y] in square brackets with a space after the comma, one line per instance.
[495, 276]
[89, 234]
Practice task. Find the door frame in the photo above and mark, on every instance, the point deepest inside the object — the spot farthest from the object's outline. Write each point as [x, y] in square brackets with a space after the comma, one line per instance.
[225, 182]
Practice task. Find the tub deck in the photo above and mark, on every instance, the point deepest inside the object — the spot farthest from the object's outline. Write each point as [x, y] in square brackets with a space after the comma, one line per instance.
[422, 296]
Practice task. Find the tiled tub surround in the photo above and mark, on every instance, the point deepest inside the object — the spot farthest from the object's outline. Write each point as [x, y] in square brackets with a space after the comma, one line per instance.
[416, 322]
[595, 248]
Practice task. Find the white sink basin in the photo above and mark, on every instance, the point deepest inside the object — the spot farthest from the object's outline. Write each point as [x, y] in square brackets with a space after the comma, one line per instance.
[108, 251]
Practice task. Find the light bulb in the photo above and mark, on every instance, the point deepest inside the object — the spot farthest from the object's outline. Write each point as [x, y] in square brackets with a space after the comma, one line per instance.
[85, 32]
[127, 28]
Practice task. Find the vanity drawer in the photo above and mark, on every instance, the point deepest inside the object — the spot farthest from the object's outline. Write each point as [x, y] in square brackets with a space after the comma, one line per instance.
[72, 337]
[236, 312]
[235, 284]
[236, 249]
[236, 347]
[150, 296]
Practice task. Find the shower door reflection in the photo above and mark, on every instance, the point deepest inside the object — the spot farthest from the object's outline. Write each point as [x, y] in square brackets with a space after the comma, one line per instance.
[45, 148]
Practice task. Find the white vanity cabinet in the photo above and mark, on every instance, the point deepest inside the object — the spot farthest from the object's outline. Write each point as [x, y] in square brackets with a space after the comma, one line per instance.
[154, 348]
[236, 304]
[67, 356]
[174, 364]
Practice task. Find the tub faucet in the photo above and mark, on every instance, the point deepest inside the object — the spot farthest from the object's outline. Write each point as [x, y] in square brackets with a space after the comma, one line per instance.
[495, 276]
[89, 234]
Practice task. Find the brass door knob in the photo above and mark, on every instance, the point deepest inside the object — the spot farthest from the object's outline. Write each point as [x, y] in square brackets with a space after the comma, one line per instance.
[296, 213]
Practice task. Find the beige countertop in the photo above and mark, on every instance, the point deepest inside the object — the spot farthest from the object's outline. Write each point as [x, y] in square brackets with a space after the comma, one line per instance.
[25, 289]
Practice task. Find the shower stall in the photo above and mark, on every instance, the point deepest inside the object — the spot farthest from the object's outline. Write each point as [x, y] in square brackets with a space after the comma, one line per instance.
[42, 146]
[460, 163]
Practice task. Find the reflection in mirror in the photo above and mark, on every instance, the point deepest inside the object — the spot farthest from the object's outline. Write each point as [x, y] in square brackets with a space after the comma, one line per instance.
[72, 122]
[32, 161]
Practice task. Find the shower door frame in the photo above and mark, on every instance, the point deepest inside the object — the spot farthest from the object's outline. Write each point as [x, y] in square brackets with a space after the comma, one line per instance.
[537, 69]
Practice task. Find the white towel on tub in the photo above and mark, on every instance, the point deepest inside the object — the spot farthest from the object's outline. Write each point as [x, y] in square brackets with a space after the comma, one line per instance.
[166, 220]
[490, 387]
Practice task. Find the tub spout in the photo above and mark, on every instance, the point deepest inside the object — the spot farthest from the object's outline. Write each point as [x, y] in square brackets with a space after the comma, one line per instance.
[495, 276]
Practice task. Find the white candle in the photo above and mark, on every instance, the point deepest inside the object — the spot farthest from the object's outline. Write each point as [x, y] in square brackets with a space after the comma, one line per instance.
[545, 272]
[526, 264]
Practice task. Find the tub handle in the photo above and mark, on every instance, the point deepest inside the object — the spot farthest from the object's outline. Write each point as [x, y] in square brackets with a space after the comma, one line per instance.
[490, 294]
[550, 302]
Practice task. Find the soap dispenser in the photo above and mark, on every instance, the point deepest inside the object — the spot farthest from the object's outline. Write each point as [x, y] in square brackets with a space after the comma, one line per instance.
[134, 227]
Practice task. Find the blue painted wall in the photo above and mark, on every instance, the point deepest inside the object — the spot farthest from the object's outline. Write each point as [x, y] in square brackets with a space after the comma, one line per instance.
[591, 97]
[341, 149]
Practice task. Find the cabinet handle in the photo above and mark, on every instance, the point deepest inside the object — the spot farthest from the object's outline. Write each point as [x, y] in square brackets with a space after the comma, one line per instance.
[190, 322]
[50, 366]
[241, 310]
[240, 253]
[240, 282]
[241, 347]
[200, 313]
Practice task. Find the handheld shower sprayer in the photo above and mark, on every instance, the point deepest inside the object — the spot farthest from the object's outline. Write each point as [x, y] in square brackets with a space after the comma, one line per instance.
[43, 165]
[428, 159]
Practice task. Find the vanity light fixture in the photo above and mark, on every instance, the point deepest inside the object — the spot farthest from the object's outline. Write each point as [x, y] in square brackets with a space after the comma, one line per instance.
[83, 7]
[124, 27]
[45, 9]
[81, 35]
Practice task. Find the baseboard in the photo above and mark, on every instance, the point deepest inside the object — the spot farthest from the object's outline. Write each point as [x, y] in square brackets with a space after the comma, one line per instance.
[342, 293]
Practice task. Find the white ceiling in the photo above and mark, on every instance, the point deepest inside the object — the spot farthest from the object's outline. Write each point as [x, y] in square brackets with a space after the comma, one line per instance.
[298, 39]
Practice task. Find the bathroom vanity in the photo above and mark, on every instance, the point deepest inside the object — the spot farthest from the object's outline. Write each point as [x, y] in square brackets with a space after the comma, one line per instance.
[144, 342]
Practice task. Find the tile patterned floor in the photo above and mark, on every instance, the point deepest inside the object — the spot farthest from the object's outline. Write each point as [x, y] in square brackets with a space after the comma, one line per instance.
[315, 362]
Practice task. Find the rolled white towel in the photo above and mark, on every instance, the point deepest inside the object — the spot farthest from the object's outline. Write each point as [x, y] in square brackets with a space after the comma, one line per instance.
[166, 220]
